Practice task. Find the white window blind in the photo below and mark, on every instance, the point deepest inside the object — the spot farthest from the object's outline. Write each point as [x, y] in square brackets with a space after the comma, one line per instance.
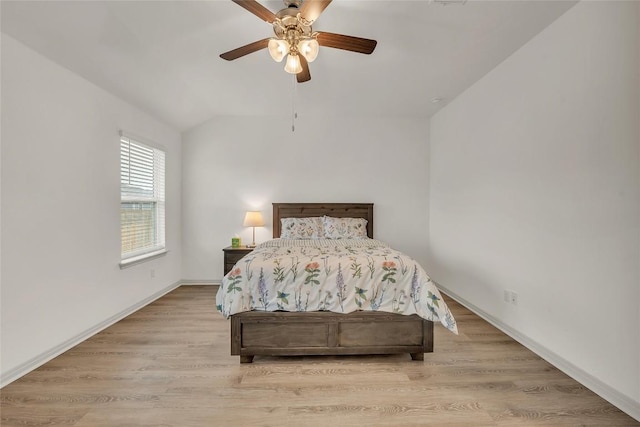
[142, 198]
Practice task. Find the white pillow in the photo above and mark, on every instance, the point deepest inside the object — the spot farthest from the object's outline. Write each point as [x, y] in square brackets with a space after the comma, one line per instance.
[301, 228]
[344, 228]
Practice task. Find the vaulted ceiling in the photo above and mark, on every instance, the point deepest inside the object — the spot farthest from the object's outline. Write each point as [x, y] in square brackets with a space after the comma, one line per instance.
[163, 56]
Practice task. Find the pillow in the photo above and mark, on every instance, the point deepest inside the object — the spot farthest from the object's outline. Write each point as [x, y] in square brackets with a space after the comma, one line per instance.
[301, 228]
[344, 228]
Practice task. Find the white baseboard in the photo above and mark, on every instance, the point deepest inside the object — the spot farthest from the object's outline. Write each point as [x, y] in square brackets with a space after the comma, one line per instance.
[201, 282]
[622, 401]
[33, 363]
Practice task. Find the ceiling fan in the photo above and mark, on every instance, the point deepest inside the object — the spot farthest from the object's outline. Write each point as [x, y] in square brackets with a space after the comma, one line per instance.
[294, 38]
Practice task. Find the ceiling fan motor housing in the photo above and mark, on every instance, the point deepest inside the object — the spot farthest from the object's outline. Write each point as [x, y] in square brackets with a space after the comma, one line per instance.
[289, 26]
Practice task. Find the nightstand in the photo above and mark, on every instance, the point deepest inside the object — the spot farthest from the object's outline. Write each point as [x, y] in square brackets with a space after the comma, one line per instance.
[233, 255]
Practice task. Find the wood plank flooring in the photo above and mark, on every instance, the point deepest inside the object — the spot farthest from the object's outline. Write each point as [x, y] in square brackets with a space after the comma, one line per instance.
[169, 365]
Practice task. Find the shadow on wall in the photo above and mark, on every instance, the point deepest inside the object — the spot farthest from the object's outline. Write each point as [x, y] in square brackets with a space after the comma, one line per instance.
[460, 281]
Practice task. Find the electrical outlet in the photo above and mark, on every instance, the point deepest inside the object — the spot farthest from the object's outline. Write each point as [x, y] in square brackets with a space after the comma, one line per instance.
[514, 298]
[153, 273]
[507, 296]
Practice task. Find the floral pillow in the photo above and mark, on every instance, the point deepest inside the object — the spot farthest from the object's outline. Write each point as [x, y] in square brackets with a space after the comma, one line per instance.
[344, 228]
[301, 228]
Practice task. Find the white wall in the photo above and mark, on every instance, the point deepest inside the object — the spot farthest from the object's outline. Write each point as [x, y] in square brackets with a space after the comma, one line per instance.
[60, 209]
[233, 164]
[535, 187]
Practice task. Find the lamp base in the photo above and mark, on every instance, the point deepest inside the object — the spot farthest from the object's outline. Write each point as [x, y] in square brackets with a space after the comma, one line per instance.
[251, 246]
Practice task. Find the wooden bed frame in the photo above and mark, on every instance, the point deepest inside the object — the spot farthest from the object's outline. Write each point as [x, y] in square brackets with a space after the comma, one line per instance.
[326, 333]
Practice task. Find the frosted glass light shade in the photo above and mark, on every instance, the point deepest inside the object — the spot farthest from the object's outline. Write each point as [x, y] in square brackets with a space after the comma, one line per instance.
[293, 64]
[278, 49]
[253, 219]
[309, 48]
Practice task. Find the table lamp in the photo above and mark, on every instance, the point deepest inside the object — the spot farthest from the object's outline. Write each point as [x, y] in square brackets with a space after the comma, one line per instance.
[253, 219]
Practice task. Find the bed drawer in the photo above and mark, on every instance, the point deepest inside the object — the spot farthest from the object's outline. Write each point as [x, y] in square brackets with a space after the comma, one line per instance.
[288, 335]
[355, 334]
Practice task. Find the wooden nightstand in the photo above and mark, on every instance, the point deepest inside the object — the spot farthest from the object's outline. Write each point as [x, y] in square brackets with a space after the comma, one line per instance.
[233, 255]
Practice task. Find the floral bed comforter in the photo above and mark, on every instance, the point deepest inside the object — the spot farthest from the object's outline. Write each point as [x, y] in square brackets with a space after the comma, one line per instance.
[339, 275]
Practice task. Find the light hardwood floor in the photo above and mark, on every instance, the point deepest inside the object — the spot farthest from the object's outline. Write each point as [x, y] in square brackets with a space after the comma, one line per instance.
[169, 365]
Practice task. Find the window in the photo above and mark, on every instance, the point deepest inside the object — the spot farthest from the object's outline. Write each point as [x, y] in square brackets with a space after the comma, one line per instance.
[142, 199]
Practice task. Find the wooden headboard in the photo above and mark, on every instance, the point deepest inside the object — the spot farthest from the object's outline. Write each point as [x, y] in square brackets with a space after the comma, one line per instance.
[339, 210]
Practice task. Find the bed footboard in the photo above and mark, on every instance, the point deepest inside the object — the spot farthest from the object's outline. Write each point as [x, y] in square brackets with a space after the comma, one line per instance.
[326, 333]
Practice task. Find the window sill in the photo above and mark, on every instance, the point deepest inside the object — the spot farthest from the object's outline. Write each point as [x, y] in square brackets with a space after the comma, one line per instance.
[129, 262]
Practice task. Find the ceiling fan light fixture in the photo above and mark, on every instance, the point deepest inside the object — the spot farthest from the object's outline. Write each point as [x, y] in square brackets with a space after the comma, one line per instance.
[293, 64]
[309, 48]
[278, 49]
[294, 38]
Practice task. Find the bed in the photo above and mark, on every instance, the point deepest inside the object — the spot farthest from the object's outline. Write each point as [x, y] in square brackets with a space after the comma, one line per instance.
[264, 325]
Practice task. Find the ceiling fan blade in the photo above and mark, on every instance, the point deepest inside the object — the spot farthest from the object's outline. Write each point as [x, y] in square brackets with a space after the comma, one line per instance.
[304, 75]
[311, 9]
[340, 41]
[257, 9]
[245, 50]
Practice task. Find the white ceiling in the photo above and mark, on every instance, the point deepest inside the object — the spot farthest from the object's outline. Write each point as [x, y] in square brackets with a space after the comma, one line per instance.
[162, 56]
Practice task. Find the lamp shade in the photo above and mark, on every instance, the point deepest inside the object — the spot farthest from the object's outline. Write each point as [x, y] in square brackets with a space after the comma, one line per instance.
[278, 49]
[253, 219]
[309, 48]
[293, 64]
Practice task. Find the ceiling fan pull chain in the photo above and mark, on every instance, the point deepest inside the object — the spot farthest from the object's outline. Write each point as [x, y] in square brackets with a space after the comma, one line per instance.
[294, 115]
